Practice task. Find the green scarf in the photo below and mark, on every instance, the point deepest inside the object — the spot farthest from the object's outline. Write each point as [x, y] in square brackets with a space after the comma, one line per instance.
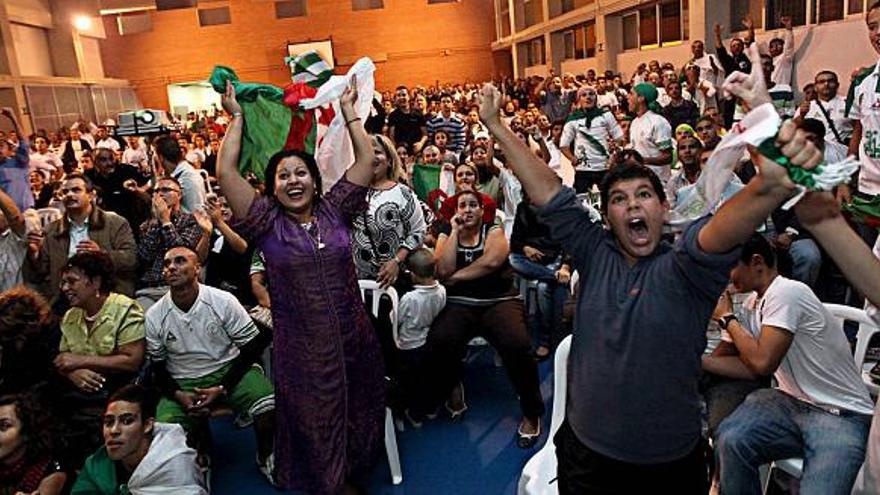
[267, 120]
[588, 115]
[649, 92]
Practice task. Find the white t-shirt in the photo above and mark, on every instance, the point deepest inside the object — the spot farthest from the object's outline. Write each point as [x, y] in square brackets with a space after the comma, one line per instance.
[591, 143]
[200, 341]
[818, 367]
[651, 134]
[109, 143]
[836, 108]
[136, 157]
[866, 108]
[47, 163]
[418, 308]
[607, 100]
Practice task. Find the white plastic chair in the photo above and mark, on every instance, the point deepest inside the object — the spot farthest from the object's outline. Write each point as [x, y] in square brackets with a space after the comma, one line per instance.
[867, 329]
[377, 292]
[539, 474]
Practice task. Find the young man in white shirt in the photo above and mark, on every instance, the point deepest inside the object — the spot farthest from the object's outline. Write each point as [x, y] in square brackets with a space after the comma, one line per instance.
[820, 409]
[649, 133]
[828, 108]
[203, 346]
[591, 130]
[105, 140]
[863, 103]
[139, 454]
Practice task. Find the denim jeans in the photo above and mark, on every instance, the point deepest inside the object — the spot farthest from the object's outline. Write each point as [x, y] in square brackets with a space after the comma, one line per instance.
[771, 425]
[806, 260]
[551, 295]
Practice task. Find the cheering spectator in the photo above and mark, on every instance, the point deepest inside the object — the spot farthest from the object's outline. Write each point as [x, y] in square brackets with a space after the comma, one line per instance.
[406, 124]
[105, 140]
[593, 133]
[15, 166]
[710, 67]
[679, 111]
[43, 159]
[327, 362]
[119, 188]
[74, 148]
[450, 123]
[135, 155]
[649, 133]
[555, 101]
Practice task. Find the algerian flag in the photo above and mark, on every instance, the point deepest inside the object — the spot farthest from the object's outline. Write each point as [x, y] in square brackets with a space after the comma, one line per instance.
[309, 68]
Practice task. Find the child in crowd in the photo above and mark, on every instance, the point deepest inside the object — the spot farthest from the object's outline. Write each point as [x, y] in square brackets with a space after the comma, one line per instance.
[417, 311]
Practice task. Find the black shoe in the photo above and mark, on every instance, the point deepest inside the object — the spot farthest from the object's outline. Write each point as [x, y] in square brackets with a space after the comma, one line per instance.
[527, 440]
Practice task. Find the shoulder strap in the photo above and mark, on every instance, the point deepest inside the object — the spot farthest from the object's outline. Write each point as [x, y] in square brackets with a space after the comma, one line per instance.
[830, 122]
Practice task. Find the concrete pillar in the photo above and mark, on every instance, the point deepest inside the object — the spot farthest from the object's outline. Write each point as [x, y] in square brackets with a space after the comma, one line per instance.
[609, 34]
[64, 40]
[13, 96]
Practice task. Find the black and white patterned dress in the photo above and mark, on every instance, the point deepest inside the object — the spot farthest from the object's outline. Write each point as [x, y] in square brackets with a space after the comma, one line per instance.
[394, 219]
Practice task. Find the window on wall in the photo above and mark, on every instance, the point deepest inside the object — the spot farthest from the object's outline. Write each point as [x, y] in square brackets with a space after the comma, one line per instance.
[670, 21]
[830, 10]
[855, 6]
[214, 17]
[535, 52]
[533, 12]
[660, 23]
[777, 9]
[367, 4]
[569, 5]
[742, 9]
[630, 31]
[648, 26]
[590, 39]
[505, 19]
[290, 8]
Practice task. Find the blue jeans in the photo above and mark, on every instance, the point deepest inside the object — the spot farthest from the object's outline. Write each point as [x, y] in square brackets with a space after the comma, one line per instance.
[771, 425]
[551, 294]
[806, 261]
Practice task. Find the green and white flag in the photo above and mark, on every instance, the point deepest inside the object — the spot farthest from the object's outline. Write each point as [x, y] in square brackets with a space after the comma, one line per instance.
[309, 68]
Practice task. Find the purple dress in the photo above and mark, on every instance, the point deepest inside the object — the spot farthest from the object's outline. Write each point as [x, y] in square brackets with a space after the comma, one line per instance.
[327, 366]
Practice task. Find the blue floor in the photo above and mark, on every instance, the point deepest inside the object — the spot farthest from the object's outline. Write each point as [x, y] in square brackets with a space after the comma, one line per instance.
[476, 456]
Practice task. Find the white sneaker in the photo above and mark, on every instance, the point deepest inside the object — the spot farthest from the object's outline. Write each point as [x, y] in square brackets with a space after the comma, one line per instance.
[268, 468]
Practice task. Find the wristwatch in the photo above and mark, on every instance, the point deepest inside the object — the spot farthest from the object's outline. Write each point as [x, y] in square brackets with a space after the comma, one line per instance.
[725, 320]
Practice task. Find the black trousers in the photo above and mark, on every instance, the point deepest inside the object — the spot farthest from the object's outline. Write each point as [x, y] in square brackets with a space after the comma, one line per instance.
[584, 180]
[503, 325]
[581, 470]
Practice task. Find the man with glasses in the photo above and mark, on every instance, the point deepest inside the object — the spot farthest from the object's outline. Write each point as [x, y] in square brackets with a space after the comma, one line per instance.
[829, 108]
[169, 226]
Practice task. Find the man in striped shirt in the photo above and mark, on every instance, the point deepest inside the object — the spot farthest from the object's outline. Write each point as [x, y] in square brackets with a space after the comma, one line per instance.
[449, 122]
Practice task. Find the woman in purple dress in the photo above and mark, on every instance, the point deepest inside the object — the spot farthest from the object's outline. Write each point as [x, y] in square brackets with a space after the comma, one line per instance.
[327, 366]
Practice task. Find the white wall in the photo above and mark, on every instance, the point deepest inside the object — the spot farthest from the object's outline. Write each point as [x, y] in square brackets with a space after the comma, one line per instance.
[580, 66]
[94, 66]
[32, 50]
[194, 97]
[32, 12]
[840, 46]
[628, 61]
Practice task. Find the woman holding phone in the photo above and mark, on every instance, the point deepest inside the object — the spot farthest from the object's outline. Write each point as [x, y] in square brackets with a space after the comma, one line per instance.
[481, 300]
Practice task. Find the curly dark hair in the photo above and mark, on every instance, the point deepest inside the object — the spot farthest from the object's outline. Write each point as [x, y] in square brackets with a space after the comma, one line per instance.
[23, 314]
[37, 427]
[93, 264]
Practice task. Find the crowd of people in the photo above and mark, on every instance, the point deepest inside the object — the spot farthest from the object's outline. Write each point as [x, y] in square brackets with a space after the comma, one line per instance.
[143, 278]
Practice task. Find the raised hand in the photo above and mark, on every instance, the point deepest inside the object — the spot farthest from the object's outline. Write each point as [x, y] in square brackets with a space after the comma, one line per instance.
[350, 96]
[786, 22]
[228, 100]
[751, 88]
[717, 30]
[793, 143]
[204, 220]
[490, 104]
